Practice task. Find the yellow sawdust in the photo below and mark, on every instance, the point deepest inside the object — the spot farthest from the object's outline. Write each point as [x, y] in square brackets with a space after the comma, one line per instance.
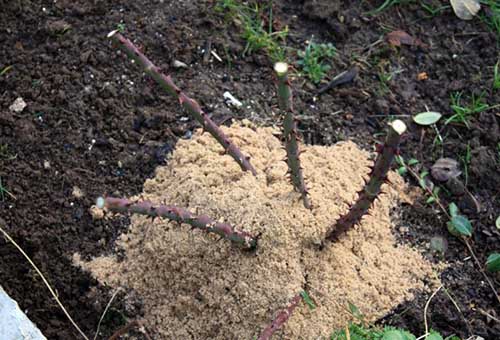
[195, 287]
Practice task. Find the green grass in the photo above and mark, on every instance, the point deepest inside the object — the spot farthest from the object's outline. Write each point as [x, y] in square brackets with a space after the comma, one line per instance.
[257, 34]
[5, 153]
[312, 60]
[462, 113]
[5, 70]
[388, 4]
[434, 10]
[496, 77]
[432, 7]
[492, 19]
[385, 79]
[4, 191]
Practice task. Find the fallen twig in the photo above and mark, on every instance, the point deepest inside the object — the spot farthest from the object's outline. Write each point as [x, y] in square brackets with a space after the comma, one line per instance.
[105, 311]
[427, 307]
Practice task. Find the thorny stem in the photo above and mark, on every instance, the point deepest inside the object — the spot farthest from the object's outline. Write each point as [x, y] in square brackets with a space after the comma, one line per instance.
[186, 102]
[173, 213]
[290, 133]
[377, 178]
[280, 319]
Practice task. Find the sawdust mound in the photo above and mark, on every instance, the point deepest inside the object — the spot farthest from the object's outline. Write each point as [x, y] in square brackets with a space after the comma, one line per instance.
[195, 287]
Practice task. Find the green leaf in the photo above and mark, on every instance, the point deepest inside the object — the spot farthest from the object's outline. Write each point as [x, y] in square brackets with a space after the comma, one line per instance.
[5, 70]
[460, 226]
[402, 170]
[453, 209]
[421, 181]
[412, 161]
[438, 244]
[431, 200]
[434, 336]
[355, 311]
[396, 334]
[307, 299]
[427, 118]
[493, 262]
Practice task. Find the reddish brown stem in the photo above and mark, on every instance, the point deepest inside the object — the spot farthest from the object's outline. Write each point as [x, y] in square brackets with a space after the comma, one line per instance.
[280, 319]
[372, 188]
[186, 102]
[203, 222]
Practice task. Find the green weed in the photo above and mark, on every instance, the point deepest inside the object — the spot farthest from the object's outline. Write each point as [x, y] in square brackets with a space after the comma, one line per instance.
[462, 113]
[432, 7]
[120, 27]
[359, 332]
[403, 167]
[307, 299]
[388, 4]
[492, 17]
[5, 154]
[256, 34]
[496, 77]
[385, 79]
[4, 191]
[313, 59]
[5, 70]
[433, 10]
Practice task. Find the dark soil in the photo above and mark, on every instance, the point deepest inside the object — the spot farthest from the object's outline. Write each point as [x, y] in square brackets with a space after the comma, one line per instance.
[93, 122]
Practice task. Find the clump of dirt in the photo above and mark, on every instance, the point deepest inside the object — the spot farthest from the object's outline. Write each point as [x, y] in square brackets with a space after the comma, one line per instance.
[195, 287]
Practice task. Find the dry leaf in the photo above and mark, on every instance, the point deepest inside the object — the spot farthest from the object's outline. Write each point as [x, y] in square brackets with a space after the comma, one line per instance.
[465, 9]
[422, 76]
[398, 38]
[444, 169]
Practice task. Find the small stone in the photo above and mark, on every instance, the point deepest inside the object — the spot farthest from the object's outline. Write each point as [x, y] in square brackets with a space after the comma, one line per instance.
[46, 165]
[77, 192]
[57, 27]
[18, 105]
[422, 76]
[96, 213]
[179, 64]
[404, 230]
[382, 106]
[231, 100]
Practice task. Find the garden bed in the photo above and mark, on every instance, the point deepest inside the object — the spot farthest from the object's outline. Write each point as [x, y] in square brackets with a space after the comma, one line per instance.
[94, 126]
